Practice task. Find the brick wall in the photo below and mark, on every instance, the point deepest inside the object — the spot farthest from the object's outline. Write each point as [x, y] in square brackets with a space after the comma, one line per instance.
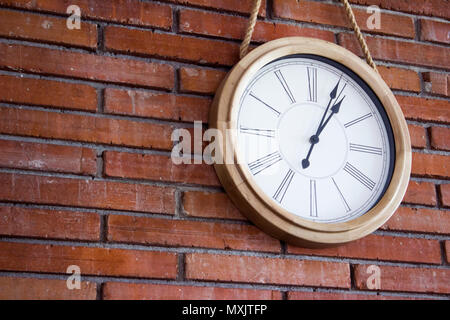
[86, 177]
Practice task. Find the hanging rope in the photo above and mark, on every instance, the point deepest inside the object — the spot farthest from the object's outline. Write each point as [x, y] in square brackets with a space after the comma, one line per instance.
[362, 41]
[351, 17]
[250, 28]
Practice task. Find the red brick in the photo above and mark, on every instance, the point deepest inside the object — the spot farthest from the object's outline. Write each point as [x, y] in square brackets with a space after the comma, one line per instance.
[19, 25]
[424, 109]
[84, 128]
[445, 194]
[92, 261]
[176, 47]
[157, 167]
[447, 251]
[400, 79]
[324, 13]
[12, 288]
[156, 105]
[232, 27]
[420, 193]
[86, 193]
[202, 266]
[47, 157]
[200, 80]
[430, 165]
[377, 247]
[210, 205]
[189, 234]
[437, 8]
[49, 224]
[134, 291]
[418, 136]
[406, 279]
[127, 12]
[35, 92]
[302, 295]
[437, 83]
[440, 138]
[419, 220]
[435, 31]
[400, 51]
[85, 66]
[193, 144]
[241, 6]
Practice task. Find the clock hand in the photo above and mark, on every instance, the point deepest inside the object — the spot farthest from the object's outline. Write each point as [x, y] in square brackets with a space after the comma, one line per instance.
[305, 162]
[315, 138]
[332, 97]
[334, 109]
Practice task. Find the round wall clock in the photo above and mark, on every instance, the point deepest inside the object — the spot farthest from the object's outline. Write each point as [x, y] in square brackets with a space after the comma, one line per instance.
[320, 149]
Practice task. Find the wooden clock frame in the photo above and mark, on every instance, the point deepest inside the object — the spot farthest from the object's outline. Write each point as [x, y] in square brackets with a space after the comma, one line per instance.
[250, 199]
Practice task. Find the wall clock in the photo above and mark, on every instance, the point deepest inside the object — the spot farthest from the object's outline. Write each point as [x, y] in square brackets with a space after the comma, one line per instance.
[320, 148]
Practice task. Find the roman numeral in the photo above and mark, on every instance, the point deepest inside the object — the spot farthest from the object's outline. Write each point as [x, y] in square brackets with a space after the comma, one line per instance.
[268, 106]
[358, 175]
[281, 191]
[312, 198]
[285, 85]
[265, 162]
[258, 132]
[353, 122]
[347, 207]
[312, 84]
[365, 149]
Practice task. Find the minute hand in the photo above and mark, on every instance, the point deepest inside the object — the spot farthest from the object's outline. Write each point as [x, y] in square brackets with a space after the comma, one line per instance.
[334, 109]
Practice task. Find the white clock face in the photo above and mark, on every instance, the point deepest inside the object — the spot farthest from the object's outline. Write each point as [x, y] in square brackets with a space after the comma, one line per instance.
[315, 139]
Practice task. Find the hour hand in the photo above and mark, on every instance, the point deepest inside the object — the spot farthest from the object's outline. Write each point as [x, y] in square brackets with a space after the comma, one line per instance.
[333, 94]
[334, 109]
[337, 106]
